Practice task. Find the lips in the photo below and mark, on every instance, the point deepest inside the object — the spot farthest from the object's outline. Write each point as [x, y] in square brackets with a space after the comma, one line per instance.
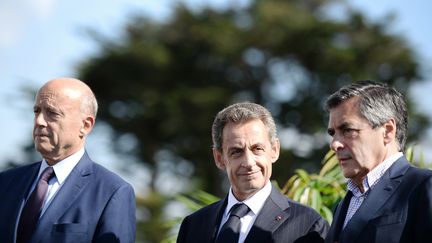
[343, 157]
[248, 173]
[41, 135]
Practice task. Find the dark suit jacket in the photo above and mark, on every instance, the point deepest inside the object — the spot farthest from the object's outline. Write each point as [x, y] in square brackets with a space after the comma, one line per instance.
[397, 209]
[280, 220]
[93, 205]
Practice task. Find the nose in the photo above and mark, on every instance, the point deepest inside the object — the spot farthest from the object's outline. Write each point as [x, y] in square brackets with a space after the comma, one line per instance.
[336, 143]
[249, 159]
[40, 119]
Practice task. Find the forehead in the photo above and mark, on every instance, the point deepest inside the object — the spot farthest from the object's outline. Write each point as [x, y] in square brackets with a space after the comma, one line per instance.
[55, 98]
[347, 112]
[46, 97]
[253, 130]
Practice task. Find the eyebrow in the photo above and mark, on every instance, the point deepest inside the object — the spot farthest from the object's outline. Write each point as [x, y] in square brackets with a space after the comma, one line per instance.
[342, 126]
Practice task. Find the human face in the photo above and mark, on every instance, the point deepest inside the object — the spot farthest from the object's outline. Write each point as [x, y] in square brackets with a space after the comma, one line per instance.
[247, 155]
[59, 124]
[358, 147]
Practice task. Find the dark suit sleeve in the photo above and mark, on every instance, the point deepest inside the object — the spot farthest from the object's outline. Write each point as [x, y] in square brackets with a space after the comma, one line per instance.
[117, 223]
[316, 234]
[423, 217]
[321, 227]
[182, 235]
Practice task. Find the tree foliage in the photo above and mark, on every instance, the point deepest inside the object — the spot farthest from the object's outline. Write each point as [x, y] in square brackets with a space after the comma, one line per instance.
[164, 82]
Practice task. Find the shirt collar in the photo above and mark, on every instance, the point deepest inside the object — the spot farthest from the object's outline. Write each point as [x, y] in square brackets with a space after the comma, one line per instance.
[255, 202]
[374, 175]
[64, 167]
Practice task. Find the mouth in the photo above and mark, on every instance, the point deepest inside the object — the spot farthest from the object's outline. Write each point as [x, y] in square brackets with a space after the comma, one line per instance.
[249, 173]
[343, 160]
[41, 136]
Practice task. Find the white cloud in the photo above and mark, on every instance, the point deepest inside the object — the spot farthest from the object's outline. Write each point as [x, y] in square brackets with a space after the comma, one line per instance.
[10, 25]
[16, 16]
[43, 8]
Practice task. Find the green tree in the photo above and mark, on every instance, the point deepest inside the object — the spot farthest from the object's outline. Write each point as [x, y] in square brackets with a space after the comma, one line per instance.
[163, 82]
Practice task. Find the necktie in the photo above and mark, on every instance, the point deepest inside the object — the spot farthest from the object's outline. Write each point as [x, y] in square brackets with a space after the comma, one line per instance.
[32, 209]
[230, 231]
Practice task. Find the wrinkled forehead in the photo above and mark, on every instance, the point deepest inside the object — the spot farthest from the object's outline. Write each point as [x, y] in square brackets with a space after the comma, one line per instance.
[57, 97]
[44, 96]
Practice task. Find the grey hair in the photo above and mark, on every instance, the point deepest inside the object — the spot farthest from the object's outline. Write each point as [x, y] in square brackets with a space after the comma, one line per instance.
[378, 103]
[239, 113]
[89, 104]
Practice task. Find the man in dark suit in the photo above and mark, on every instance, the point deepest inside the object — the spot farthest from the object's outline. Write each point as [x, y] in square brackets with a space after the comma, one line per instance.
[245, 146]
[81, 200]
[388, 200]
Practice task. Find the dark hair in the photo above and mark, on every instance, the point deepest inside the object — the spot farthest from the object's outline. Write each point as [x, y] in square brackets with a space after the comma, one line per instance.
[378, 103]
[238, 113]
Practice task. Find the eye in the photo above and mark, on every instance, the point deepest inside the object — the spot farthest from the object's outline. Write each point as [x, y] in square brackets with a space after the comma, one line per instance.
[350, 132]
[235, 152]
[330, 132]
[52, 112]
[259, 150]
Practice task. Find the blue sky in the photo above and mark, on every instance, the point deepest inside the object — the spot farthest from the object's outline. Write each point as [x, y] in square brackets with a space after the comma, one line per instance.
[43, 39]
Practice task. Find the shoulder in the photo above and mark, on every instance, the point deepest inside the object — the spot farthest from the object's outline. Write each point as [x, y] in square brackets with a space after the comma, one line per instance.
[202, 216]
[107, 180]
[302, 211]
[10, 174]
[19, 169]
[423, 173]
[205, 212]
[199, 226]
[418, 175]
[297, 208]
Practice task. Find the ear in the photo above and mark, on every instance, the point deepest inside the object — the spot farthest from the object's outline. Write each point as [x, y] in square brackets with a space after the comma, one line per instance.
[275, 150]
[389, 131]
[219, 159]
[87, 125]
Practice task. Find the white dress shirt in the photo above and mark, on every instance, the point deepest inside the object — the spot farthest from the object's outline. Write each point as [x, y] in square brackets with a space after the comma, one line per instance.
[369, 182]
[62, 169]
[255, 203]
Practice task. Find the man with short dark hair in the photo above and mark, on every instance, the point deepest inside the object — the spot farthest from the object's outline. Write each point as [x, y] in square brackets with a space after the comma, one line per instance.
[245, 146]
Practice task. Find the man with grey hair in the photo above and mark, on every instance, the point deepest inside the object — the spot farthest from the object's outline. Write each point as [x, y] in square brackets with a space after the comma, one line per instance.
[245, 146]
[388, 200]
[66, 197]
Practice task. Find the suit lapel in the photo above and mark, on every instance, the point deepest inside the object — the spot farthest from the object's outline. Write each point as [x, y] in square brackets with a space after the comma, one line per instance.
[21, 188]
[214, 220]
[67, 194]
[339, 218]
[272, 215]
[376, 199]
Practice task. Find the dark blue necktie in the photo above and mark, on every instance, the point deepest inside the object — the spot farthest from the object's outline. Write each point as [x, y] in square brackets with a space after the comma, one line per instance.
[230, 231]
[33, 207]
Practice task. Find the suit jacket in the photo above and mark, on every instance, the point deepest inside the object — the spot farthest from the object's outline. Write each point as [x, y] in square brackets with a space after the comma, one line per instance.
[397, 209]
[280, 220]
[93, 205]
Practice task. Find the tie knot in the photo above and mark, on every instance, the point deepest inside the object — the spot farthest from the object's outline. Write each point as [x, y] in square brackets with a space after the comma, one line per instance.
[47, 174]
[239, 210]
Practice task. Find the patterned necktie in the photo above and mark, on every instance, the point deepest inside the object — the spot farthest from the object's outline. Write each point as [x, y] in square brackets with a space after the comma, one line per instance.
[33, 207]
[230, 231]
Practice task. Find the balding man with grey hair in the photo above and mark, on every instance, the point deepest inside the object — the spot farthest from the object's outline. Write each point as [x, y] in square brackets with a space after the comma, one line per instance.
[66, 197]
